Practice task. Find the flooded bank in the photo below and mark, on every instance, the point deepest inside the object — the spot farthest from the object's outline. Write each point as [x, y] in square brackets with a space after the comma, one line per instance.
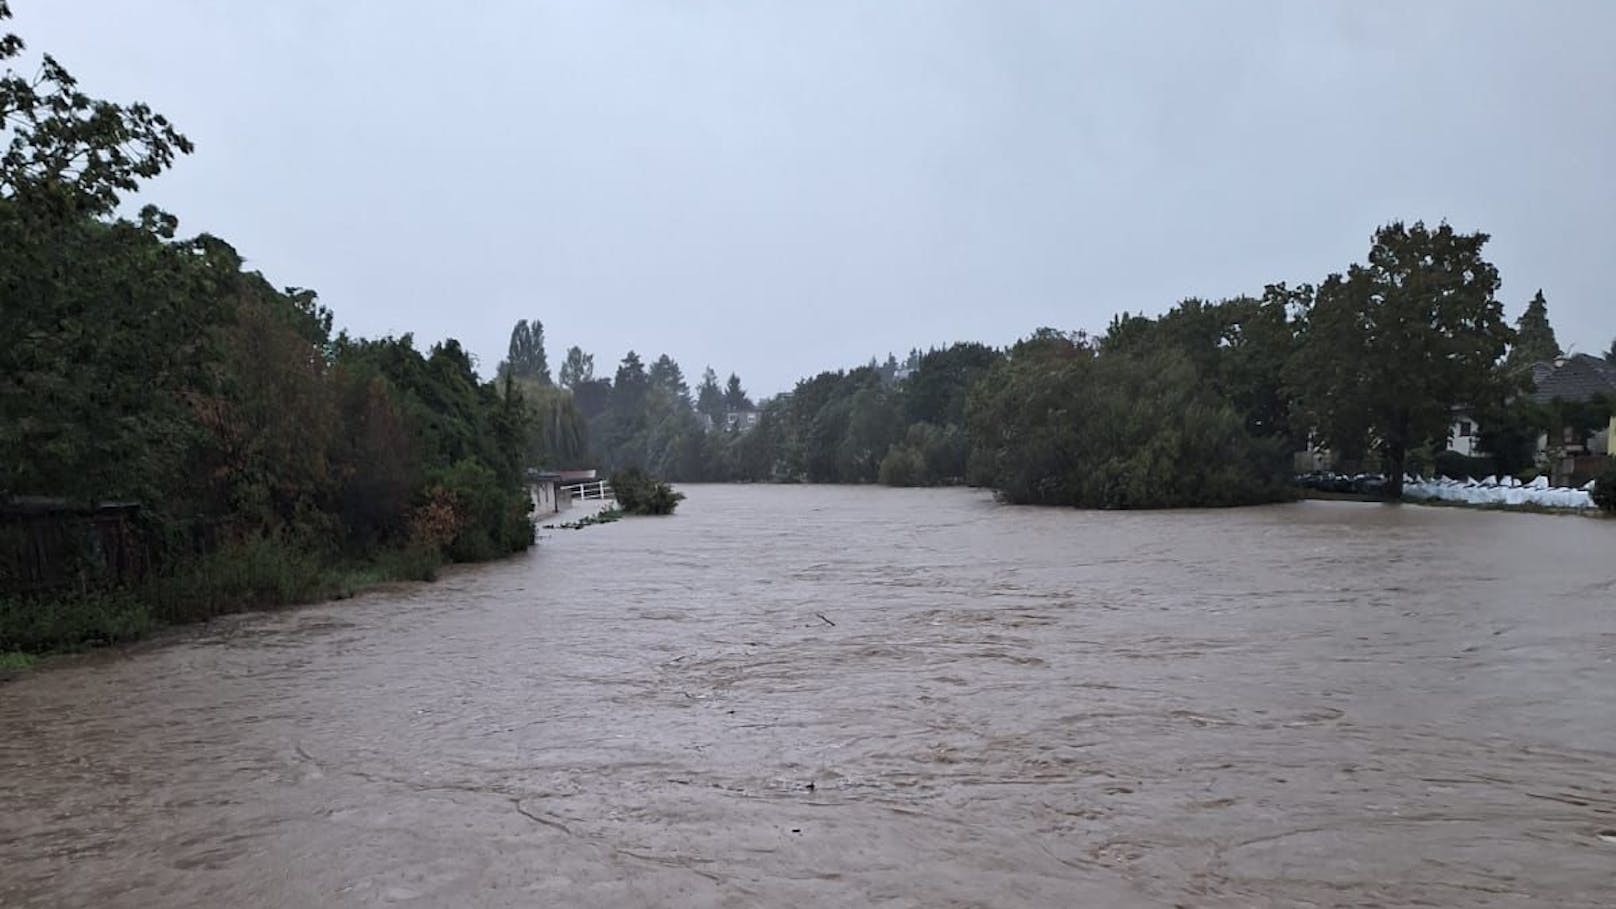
[791, 696]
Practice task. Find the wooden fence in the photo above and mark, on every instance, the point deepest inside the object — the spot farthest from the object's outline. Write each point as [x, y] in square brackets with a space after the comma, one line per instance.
[46, 544]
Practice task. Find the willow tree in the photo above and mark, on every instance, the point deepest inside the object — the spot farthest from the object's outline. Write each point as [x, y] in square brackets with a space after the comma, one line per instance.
[557, 433]
[1386, 352]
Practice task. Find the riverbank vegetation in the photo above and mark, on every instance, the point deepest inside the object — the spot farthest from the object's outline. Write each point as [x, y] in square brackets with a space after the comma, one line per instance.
[180, 437]
[1209, 404]
[1064, 422]
[1604, 492]
[605, 516]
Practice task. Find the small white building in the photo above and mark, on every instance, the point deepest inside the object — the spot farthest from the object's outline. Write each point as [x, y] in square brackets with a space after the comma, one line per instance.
[1464, 435]
[740, 420]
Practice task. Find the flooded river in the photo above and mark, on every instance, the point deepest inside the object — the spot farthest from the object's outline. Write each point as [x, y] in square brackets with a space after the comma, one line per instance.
[799, 696]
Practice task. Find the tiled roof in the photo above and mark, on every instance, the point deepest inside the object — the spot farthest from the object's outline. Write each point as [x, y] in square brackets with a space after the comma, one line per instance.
[1580, 378]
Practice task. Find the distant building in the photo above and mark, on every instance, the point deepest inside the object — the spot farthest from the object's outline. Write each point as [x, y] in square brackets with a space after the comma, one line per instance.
[1464, 435]
[1579, 379]
[548, 487]
[1570, 452]
[740, 420]
[731, 421]
[1574, 450]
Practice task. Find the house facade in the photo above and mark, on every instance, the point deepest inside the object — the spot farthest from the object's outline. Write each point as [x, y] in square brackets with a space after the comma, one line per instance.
[740, 420]
[1579, 394]
[1578, 443]
[732, 421]
[1464, 435]
[1570, 382]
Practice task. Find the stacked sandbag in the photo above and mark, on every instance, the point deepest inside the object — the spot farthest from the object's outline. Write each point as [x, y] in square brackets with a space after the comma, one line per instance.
[1493, 491]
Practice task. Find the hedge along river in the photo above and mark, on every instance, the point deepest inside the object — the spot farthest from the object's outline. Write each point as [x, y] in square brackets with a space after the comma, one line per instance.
[795, 696]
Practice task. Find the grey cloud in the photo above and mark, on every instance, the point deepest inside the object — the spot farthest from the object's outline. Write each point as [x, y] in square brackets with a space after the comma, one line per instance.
[781, 188]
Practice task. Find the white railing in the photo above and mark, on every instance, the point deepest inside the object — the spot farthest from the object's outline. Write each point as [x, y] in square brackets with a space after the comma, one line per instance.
[593, 491]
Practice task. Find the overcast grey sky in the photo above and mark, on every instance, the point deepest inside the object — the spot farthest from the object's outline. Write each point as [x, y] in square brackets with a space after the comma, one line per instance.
[782, 188]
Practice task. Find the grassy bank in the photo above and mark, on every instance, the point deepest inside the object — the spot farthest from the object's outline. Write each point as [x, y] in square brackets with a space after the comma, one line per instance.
[256, 574]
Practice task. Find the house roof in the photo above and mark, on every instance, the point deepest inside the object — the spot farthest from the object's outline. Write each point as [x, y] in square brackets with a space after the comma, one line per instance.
[1579, 378]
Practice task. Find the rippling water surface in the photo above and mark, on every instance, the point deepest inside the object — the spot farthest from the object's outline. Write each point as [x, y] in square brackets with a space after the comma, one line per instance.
[795, 696]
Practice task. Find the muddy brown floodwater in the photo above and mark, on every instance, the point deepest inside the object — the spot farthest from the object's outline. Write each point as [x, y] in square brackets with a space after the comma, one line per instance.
[800, 696]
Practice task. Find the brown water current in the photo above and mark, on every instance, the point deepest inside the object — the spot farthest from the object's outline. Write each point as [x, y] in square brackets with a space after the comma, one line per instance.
[811, 696]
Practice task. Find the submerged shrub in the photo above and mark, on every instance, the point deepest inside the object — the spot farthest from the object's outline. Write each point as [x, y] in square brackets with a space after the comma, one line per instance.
[640, 494]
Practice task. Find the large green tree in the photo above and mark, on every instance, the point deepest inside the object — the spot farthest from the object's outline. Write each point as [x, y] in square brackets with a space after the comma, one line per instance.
[935, 392]
[631, 383]
[735, 397]
[1240, 346]
[709, 396]
[1534, 336]
[666, 375]
[68, 152]
[525, 357]
[1058, 423]
[1386, 352]
[646, 422]
[577, 368]
[103, 321]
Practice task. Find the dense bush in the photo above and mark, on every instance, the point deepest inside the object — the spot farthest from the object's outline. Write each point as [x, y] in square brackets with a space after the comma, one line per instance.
[1509, 434]
[929, 455]
[261, 570]
[1605, 488]
[487, 521]
[1456, 466]
[903, 466]
[640, 494]
[70, 620]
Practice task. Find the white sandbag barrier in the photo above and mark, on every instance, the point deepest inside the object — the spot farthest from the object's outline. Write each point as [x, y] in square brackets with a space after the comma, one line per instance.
[1508, 492]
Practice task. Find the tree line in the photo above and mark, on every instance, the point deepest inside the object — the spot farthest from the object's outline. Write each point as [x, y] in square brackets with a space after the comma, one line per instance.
[645, 417]
[271, 460]
[1204, 405]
